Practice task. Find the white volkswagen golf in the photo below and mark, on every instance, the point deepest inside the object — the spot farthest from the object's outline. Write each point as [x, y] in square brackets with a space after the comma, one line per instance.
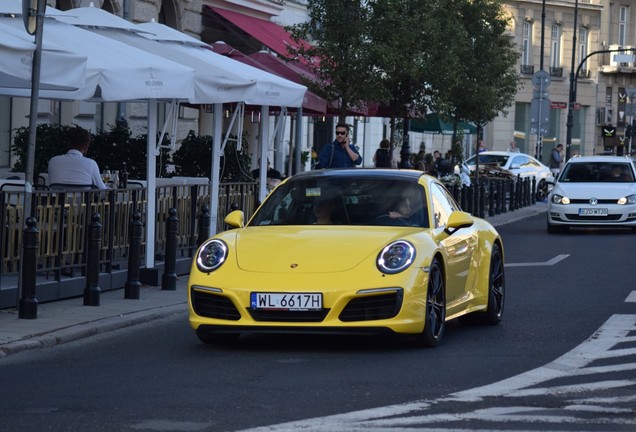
[593, 191]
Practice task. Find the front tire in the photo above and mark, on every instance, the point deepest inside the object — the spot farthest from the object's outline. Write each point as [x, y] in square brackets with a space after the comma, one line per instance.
[542, 190]
[435, 313]
[496, 287]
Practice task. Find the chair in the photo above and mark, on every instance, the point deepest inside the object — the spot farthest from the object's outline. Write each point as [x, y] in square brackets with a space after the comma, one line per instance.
[72, 187]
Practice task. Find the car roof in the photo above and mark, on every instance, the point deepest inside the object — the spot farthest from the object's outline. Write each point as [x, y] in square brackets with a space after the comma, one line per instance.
[604, 159]
[367, 173]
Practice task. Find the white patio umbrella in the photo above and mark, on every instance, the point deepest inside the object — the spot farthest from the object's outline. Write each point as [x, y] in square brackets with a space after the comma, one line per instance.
[218, 80]
[59, 66]
[114, 71]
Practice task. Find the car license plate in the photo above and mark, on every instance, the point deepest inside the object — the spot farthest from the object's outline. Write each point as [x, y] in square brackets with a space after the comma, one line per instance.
[593, 212]
[287, 301]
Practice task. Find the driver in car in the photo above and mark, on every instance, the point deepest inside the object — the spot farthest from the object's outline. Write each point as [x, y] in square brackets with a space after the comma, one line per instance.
[402, 209]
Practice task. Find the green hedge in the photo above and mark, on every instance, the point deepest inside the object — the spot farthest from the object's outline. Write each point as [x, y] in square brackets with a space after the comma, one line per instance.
[114, 147]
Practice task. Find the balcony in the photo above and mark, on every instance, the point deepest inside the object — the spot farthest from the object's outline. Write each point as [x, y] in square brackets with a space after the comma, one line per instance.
[621, 61]
[527, 69]
[556, 72]
[585, 74]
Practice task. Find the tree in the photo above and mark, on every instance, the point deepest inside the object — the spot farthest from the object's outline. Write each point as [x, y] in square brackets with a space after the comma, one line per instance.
[484, 80]
[398, 58]
[340, 56]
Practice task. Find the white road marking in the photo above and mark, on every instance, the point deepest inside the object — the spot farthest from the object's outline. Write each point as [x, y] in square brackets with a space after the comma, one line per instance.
[551, 262]
[631, 298]
[601, 345]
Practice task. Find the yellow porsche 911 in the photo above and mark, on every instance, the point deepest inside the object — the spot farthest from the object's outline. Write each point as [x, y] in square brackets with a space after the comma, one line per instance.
[349, 251]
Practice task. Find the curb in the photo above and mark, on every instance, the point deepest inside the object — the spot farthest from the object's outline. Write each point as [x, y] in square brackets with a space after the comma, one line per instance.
[90, 328]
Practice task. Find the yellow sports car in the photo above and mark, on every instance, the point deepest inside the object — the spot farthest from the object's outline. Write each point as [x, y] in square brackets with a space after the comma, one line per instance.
[348, 251]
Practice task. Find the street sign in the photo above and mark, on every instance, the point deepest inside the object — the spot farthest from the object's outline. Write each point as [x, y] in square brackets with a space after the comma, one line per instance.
[540, 110]
[541, 79]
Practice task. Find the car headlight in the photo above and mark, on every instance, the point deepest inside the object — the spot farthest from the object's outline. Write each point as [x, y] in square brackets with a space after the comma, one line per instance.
[211, 255]
[396, 257]
[560, 199]
[631, 199]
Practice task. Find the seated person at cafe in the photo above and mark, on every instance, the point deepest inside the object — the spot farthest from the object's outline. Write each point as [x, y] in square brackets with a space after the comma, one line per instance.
[73, 167]
[273, 176]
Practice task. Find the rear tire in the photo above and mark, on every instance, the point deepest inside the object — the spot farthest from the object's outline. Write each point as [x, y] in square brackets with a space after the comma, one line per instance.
[435, 313]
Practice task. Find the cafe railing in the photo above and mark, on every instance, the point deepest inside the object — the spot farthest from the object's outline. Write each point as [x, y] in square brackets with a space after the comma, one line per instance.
[64, 215]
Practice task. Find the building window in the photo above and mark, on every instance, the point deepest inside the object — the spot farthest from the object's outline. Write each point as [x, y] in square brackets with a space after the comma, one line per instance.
[583, 51]
[555, 44]
[622, 25]
[526, 44]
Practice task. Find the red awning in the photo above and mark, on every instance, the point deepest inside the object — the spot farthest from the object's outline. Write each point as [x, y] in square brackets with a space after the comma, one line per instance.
[270, 34]
[312, 103]
[284, 69]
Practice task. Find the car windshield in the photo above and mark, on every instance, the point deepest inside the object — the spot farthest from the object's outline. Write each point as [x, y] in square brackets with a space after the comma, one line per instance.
[489, 159]
[344, 201]
[588, 172]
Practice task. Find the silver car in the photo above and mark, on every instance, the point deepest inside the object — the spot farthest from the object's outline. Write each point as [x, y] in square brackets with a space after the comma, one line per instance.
[519, 164]
[593, 191]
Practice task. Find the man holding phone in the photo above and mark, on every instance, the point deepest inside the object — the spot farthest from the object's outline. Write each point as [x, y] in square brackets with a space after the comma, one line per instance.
[340, 153]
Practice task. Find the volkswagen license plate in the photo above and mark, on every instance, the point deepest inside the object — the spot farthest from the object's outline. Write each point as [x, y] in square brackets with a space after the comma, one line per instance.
[286, 301]
[593, 212]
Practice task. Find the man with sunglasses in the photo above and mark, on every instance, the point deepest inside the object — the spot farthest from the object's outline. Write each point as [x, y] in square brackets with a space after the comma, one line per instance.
[340, 153]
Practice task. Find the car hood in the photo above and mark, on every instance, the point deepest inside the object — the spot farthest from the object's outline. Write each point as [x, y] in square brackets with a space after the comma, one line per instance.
[596, 190]
[311, 249]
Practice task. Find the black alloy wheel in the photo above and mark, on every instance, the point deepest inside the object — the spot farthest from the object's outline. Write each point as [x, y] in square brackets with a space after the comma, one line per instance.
[542, 190]
[496, 287]
[435, 314]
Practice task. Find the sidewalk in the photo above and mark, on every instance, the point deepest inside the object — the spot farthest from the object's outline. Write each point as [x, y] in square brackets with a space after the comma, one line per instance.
[68, 320]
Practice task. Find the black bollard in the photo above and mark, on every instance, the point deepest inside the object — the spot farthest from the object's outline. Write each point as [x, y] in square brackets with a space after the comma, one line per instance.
[28, 305]
[92, 291]
[533, 195]
[169, 279]
[482, 200]
[131, 291]
[519, 188]
[491, 198]
[511, 194]
[204, 225]
[501, 198]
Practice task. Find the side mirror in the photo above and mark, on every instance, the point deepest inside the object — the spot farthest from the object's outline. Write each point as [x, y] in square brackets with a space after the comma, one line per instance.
[458, 220]
[235, 219]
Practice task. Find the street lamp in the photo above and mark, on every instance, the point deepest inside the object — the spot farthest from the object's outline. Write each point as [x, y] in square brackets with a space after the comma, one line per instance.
[570, 121]
[573, 85]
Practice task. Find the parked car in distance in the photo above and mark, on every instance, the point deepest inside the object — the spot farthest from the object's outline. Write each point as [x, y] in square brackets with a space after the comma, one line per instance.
[593, 191]
[349, 251]
[520, 164]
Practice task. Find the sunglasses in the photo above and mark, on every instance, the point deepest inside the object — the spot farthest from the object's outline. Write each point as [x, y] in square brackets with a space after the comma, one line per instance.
[341, 132]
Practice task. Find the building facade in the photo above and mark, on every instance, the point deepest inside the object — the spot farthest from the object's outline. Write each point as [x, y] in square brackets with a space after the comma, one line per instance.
[605, 32]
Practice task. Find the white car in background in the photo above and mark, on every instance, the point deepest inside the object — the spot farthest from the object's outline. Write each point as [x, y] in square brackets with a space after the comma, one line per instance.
[519, 164]
[593, 191]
